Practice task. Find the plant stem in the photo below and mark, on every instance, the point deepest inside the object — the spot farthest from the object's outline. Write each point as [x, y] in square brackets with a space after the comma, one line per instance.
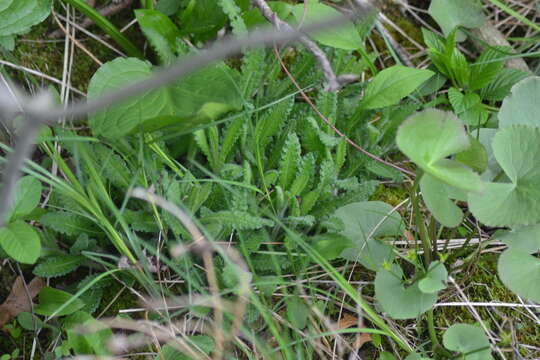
[431, 329]
[422, 231]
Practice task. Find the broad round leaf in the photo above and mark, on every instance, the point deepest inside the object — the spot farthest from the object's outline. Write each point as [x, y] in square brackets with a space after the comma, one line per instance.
[452, 13]
[365, 222]
[27, 196]
[526, 238]
[437, 200]
[468, 339]
[342, 37]
[522, 106]
[397, 299]
[393, 84]
[430, 136]
[520, 272]
[20, 241]
[435, 279]
[516, 149]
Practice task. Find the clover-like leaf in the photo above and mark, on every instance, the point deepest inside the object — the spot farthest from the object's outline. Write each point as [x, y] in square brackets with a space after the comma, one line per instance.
[517, 202]
[524, 238]
[430, 136]
[452, 13]
[437, 199]
[469, 340]
[435, 279]
[398, 299]
[365, 222]
[522, 106]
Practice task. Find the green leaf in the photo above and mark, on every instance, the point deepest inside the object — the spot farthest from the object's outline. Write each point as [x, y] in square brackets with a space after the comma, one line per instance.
[400, 300]
[437, 200]
[290, 159]
[430, 136]
[17, 16]
[416, 357]
[468, 340]
[201, 344]
[202, 18]
[50, 300]
[393, 84]
[237, 219]
[516, 149]
[435, 279]
[88, 342]
[487, 66]
[345, 36]
[58, 265]
[364, 222]
[475, 157]
[297, 312]
[468, 107]
[196, 99]
[522, 106]
[330, 245]
[520, 272]
[20, 241]
[524, 238]
[450, 14]
[500, 86]
[27, 196]
[67, 223]
[160, 31]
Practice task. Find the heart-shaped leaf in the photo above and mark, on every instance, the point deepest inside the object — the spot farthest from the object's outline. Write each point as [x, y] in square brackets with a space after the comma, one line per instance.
[522, 106]
[525, 238]
[516, 149]
[437, 199]
[430, 136]
[399, 300]
[364, 222]
[435, 279]
[469, 340]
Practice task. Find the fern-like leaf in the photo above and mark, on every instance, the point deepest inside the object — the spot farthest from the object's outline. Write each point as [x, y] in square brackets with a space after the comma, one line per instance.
[289, 160]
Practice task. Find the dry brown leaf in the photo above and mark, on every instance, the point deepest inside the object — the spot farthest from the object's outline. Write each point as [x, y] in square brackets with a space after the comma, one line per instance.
[361, 340]
[347, 321]
[19, 299]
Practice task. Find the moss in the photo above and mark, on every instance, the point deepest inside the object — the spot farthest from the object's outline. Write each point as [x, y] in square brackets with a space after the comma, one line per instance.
[390, 194]
[486, 287]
